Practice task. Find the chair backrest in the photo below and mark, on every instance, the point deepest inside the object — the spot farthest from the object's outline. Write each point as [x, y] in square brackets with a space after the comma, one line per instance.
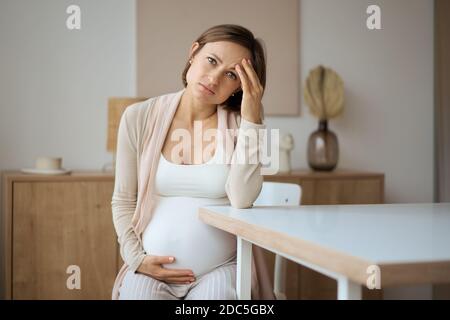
[279, 194]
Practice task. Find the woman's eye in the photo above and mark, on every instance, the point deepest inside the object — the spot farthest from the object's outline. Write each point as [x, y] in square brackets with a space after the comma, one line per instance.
[230, 74]
[233, 76]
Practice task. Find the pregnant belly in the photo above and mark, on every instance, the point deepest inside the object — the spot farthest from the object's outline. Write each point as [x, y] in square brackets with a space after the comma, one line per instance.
[175, 230]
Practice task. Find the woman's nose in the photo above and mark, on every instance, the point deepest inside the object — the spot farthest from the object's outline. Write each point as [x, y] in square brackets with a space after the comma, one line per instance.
[213, 78]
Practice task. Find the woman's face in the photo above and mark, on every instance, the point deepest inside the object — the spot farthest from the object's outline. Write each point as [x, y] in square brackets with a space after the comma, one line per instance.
[213, 67]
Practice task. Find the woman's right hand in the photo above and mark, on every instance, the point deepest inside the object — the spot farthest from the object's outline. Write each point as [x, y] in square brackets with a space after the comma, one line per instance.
[152, 266]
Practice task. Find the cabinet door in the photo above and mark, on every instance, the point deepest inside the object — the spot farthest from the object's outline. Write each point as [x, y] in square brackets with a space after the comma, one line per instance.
[61, 224]
[342, 191]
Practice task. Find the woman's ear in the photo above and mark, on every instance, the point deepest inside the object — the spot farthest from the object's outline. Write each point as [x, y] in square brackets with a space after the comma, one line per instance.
[194, 47]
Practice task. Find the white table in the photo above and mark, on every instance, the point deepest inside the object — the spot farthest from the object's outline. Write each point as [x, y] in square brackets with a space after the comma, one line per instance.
[409, 243]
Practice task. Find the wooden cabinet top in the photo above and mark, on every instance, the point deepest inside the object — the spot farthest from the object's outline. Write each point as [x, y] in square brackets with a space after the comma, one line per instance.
[335, 174]
[75, 175]
[96, 175]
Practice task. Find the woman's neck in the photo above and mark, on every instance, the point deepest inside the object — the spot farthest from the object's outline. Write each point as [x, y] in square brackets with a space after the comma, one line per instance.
[191, 110]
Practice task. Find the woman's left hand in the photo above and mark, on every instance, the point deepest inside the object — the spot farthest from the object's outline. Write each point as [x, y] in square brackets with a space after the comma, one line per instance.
[252, 92]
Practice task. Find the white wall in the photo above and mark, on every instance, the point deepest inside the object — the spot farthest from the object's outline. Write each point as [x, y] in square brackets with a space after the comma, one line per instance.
[54, 82]
[387, 124]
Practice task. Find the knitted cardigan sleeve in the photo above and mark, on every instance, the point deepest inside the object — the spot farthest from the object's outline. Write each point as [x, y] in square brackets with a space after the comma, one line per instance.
[244, 182]
[124, 198]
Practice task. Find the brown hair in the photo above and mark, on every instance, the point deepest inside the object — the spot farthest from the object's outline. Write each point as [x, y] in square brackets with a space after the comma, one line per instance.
[239, 35]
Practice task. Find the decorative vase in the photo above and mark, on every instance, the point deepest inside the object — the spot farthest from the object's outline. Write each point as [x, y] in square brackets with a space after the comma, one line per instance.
[323, 148]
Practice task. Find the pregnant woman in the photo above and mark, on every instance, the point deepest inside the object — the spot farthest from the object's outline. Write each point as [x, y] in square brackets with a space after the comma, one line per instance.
[165, 171]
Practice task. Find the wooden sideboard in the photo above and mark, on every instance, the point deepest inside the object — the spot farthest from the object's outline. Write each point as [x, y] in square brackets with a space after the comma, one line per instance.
[321, 188]
[50, 223]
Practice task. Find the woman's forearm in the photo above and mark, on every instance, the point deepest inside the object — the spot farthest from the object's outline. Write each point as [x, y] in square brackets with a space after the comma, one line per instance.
[244, 181]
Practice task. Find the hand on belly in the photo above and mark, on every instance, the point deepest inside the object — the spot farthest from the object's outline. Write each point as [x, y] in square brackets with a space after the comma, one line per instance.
[153, 266]
[199, 252]
[180, 234]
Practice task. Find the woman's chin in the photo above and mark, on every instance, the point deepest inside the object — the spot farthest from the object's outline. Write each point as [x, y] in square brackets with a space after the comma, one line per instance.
[205, 98]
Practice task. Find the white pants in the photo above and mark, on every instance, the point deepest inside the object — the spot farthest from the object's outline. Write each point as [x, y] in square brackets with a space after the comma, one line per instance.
[218, 284]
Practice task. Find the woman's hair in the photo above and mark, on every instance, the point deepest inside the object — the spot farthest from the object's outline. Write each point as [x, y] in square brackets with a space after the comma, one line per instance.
[239, 35]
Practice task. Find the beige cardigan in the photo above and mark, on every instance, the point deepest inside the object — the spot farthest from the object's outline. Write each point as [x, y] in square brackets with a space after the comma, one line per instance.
[142, 132]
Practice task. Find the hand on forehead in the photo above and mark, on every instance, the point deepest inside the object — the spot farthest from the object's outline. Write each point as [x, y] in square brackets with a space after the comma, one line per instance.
[229, 53]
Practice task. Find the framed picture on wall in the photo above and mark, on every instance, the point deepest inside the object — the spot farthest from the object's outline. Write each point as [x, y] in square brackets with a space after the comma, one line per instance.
[166, 30]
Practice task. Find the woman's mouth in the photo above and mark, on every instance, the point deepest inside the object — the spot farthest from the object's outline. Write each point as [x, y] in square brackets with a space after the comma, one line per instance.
[206, 89]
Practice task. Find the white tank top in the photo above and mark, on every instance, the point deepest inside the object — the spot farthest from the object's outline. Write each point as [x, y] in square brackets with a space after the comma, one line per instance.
[175, 229]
